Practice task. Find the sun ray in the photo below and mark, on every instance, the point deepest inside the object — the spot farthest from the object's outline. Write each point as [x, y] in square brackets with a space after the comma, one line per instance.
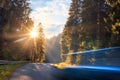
[20, 39]
[34, 34]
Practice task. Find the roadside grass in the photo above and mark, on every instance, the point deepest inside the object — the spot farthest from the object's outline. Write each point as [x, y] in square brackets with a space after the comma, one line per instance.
[6, 70]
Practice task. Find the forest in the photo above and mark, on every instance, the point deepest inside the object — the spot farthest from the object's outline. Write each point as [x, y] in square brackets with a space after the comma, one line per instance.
[86, 46]
[17, 36]
[91, 25]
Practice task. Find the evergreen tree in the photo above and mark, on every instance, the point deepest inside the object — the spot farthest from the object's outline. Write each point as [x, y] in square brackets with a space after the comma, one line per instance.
[114, 21]
[68, 32]
[74, 12]
[39, 46]
[88, 26]
[93, 18]
[14, 20]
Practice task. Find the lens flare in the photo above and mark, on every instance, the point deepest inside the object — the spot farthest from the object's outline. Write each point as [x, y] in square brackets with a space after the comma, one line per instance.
[34, 34]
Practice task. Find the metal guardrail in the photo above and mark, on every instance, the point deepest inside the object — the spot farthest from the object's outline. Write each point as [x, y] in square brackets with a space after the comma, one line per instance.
[4, 62]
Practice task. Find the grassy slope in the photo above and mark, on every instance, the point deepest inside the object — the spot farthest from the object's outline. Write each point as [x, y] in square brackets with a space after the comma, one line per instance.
[6, 70]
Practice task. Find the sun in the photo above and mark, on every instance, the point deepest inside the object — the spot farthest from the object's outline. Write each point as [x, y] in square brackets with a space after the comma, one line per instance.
[34, 34]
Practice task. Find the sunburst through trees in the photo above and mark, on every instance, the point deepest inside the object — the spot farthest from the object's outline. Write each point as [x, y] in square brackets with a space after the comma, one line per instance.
[38, 44]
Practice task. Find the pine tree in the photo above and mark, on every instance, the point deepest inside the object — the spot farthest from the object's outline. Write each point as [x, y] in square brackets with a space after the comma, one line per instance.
[93, 17]
[74, 13]
[15, 19]
[114, 21]
[68, 32]
[87, 27]
[39, 46]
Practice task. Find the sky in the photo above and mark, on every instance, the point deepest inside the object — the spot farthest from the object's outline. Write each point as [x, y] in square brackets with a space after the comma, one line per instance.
[52, 14]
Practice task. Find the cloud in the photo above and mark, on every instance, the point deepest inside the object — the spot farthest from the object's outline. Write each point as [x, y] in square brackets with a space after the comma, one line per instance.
[38, 3]
[52, 14]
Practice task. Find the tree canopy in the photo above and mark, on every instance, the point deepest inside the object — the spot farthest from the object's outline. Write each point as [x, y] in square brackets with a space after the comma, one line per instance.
[92, 24]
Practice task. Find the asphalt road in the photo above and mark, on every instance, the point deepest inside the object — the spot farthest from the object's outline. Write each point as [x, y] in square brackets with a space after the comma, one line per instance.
[36, 71]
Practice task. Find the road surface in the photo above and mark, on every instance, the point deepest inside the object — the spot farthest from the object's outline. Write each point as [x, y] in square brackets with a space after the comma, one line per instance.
[36, 71]
[42, 71]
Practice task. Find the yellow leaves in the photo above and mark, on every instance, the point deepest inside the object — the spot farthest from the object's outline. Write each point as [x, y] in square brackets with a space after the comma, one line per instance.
[115, 28]
[105, 20]
[111, 15]
[83, 43]
[113, 3]
[94, 47]
[117, 24]
[78, 57]
[68, 59]
[118, 1]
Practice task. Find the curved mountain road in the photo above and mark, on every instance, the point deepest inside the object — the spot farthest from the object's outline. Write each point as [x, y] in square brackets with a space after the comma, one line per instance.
[42, 71]
[37, 71]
